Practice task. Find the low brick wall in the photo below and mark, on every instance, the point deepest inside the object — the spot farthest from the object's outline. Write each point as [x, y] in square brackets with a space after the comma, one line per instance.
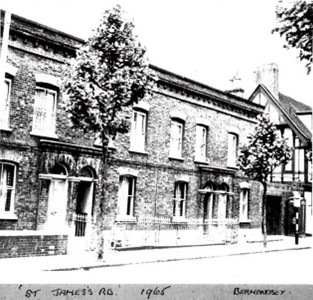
[18, 245]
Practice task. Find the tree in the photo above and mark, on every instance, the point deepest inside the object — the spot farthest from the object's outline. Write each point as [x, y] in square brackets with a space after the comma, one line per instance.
[265, 151]
[109, 74]
[296, 26]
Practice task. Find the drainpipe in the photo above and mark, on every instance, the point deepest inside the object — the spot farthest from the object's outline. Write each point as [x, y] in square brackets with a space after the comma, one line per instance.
[4, 51]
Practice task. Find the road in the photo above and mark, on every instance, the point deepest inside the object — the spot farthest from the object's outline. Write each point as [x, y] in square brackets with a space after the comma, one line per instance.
[282, 267]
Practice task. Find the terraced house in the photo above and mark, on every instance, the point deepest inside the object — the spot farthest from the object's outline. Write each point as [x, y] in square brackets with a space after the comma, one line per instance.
[173, 173]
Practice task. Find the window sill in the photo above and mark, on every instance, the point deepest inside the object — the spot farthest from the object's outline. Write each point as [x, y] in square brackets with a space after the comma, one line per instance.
[44, 134]
[125, 219]
[5, 128]
[176, 158]
[137, 151]
[8, 216]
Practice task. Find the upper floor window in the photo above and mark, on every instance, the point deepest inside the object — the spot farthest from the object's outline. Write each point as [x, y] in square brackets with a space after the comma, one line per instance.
[44, 111]
[7, 186]
[232, 149]
[180, 196]
[5, 103]
[201, 143]
[127, 191]
[138, 131]
[288, 135]
[176, 144]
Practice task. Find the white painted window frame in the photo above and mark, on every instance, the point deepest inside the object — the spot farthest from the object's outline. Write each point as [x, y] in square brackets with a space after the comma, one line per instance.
[201, 143]
[126, 199]
[7, 214]
[5, 104]
[41, 131]
[138, 134]
[179, 203]
[232, 149]
[176, 142]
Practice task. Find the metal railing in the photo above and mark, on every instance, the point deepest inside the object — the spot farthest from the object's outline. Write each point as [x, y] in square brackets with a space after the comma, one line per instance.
[166, 231]
[80, 221]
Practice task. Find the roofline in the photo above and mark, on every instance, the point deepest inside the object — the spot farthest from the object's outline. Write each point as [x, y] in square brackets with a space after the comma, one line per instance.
[202, 85]
[281, 108]
[59, 32]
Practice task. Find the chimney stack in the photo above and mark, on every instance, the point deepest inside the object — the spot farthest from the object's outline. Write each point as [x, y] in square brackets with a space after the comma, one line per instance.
[268, 75]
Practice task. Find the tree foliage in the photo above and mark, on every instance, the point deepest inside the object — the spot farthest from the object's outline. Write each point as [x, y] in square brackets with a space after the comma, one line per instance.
[109, 73]
[265, 151]
[296, 26]
[257, 160]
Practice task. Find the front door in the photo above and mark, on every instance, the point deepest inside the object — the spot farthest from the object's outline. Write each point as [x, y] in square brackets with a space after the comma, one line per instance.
[57, 204]
[273, 215]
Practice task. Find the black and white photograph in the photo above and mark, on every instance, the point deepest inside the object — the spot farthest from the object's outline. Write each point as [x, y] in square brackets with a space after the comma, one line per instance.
[156, 149]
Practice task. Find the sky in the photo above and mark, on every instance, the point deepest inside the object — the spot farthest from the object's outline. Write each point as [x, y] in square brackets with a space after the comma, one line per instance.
[206, 40]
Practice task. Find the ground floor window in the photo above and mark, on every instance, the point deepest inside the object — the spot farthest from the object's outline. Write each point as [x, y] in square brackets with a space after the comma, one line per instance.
[127, 196]
[179, 201]
[244, 205]
[7, 186]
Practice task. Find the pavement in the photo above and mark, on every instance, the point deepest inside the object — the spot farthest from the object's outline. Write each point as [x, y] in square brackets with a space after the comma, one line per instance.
[138, 256]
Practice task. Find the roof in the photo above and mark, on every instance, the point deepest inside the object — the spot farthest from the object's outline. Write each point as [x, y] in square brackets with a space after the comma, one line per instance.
[291, 107]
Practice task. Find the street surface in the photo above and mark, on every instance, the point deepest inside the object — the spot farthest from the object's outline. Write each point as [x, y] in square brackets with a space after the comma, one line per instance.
[281, 267]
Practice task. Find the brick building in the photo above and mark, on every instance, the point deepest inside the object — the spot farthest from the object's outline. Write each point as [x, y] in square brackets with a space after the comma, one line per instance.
[177, 162]
[294, 122]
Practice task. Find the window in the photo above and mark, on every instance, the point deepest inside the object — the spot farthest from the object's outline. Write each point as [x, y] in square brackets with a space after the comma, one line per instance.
[232, 149]
[7, 184]
[289, 139]
[138, 131]
[180, 196]
[5, 104]
[176, 139]
[244, 202]
[127, 196]
[44, 111]
[201, 143]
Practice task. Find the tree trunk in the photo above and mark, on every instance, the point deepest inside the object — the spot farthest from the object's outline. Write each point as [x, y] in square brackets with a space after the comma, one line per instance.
[102, 202]
[264, 229]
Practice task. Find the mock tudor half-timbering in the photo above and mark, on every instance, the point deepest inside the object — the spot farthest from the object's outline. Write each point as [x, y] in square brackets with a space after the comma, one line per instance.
[176, 164]
[293, 120]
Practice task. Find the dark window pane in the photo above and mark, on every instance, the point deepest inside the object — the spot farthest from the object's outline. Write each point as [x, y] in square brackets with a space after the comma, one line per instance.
[9, 170]
[8, 201]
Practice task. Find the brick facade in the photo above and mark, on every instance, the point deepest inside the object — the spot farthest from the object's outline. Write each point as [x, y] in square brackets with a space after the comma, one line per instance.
[32, 245]
[35, 49]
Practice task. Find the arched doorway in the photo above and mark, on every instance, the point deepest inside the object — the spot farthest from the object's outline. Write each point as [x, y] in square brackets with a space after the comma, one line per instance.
[84, 200]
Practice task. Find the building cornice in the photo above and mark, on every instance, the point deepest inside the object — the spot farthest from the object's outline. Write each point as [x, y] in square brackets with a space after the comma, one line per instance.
[199, 92]
[51, 145]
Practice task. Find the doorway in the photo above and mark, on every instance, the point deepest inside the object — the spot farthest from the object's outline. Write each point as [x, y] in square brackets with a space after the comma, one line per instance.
[273, 215]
